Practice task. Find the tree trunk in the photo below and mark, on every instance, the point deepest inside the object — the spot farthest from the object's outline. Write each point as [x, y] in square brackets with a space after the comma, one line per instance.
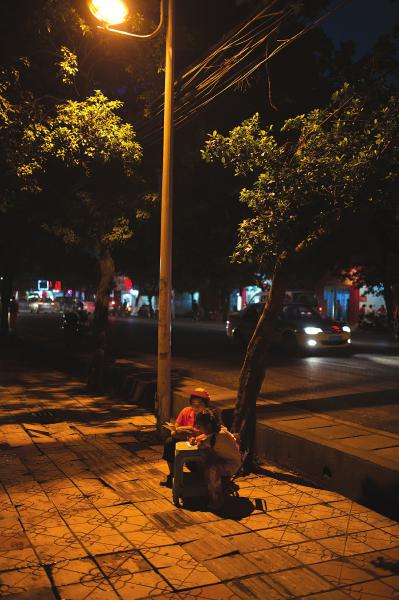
[255, 363]
[100, 320]
[6, 291]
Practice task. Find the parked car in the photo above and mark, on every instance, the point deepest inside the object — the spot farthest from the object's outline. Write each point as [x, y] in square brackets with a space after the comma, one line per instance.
[43, 305]
[298, 327]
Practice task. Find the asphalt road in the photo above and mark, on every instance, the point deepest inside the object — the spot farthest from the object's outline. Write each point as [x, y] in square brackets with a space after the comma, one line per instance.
[362, 387]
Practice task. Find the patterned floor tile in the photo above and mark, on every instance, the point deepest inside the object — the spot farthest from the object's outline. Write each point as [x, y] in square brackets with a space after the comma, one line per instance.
[51, 553]
[393, 581]
[120, 510]
[310, 552]
[188, 534]
[378, 539]
[282, 536]
[88, 590]
[230, 567]
[348, 524]
[379, 564]
[148, 539]
[167, 556]
[139, 585]
[375, 519]
[188, 574]
[272, 560]
[16, 559]
[25, 581]
[316, 530]
[12, 536]
[100, 542]
[300, 499]
[301, 581]
[343, 545]
[323, 511]
[154, 506]
[291, 516]
[225, 527]
[249, 542]
[262, 521]
[88, 521]
[75, 571]
[201, 517]
[260, 586]
[122, 563]
[341, 572]
[210, 592]
[171, 519]
[212, 547]
[331, 595]
[392, 529]
[371, 590]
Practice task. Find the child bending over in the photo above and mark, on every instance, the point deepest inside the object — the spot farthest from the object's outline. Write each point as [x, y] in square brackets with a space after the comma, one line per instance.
[224, 458]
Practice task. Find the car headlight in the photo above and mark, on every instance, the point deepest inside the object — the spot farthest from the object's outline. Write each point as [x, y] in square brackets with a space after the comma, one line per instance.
[312, 330]
[346, 328]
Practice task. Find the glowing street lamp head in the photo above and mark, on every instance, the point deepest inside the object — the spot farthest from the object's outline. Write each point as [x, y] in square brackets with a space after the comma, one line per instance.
[110, 12]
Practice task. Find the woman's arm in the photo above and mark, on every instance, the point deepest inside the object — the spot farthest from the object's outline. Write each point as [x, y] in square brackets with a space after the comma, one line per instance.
[203, 440]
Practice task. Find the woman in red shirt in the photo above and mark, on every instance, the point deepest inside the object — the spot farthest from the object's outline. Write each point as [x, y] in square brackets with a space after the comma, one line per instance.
[184, 429]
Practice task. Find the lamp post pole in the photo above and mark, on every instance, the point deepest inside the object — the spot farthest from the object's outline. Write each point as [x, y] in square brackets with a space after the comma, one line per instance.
[165, 273]
[111, 12]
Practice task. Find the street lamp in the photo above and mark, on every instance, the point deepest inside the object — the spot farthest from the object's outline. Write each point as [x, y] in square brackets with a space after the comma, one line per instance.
[114, 12]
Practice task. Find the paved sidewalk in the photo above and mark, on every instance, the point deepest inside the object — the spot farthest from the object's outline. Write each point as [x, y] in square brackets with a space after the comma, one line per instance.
[82, 515]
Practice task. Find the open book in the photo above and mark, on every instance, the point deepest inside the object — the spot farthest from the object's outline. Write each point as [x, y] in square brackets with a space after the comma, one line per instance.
[184, 430]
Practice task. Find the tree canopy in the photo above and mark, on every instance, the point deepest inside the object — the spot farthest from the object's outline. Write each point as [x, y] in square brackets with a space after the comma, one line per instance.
[317, 169]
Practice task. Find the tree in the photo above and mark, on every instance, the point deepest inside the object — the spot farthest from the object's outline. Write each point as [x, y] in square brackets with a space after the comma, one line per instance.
[81, 165]
[318, 171]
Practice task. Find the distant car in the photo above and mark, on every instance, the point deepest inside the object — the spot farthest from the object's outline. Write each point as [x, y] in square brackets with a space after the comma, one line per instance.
[42, 305]
[89, 305]
[298, 327]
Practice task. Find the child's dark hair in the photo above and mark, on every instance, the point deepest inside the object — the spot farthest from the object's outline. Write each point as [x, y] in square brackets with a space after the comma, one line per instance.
[205, 401]
[209, 420]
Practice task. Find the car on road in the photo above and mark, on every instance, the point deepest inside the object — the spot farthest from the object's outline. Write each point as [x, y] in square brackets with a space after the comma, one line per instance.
[298, 327]
[42, 305]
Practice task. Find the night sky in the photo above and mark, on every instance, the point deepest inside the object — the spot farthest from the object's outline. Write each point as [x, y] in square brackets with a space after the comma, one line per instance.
[363, 21]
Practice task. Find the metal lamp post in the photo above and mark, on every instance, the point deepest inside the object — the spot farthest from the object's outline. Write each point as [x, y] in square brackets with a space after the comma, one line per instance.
[114, 12]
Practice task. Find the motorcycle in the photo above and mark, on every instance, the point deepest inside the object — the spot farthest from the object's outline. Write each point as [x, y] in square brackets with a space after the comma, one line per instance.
[373, 322]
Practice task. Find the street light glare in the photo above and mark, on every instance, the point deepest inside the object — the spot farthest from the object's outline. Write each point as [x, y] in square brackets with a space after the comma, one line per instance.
[111, 12]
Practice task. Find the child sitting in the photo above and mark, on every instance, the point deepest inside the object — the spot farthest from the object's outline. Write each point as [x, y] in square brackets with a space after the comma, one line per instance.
[183, 429]
[224, 458]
